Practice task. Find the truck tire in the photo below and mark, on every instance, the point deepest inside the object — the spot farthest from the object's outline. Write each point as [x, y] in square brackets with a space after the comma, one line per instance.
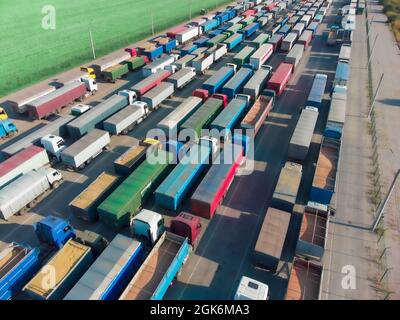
[107, 147]
[55, 185]
[125, 132]
[88, 161]
[81, 167]
[31, 204]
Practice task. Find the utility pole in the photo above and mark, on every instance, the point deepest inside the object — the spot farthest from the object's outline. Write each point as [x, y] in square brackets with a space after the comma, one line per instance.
[91, 44]
[375, 96]
[369, 25]
[190, 9]
[382, 207]
[372, 51]
[152, 23]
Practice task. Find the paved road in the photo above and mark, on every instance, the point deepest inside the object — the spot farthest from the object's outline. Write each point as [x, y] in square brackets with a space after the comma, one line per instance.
[386, 59]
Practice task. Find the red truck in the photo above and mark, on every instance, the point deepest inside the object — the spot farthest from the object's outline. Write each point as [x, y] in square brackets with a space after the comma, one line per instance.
[213, 188]
[186, 225]
[172, 32]
[201, 93]
[54, 101]
[150, 82]
[280, 78]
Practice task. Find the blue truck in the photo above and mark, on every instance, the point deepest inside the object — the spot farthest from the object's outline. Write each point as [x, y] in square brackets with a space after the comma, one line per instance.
[111, 272]
[218, 79]
[7, 129]
[250, 29]
[284, 30]
[152, 53]
[342, 73]
[317, 91]
[222, 17]
[237, 82]
[210, 24]
[174, 188]
[188, 49]
[233, 41]
[229, 117]
[324, 182]
[201, 42]
[18, 264]
[166, 43]
[158, 271]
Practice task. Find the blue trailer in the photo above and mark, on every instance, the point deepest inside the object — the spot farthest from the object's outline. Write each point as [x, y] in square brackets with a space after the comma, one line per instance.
[233, 41]
[250, 29]
[284, 30]
[313, 27]
[218, 79]
[201, 42]
[231, 13]
[18, 265]
[324, 182]
[7, 129]
[152, 54]
[222, 17]
[168, 44]
[107, 277]
[188, 49]
[210, 24]
[174, 188]
[215, 33]
[342, 73]
[237, 82]
[284, 20]
[317, 91]
[158, 271]
[229, 117]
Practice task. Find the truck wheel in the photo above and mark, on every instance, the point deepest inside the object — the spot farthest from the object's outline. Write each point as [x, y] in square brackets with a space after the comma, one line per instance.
[81, 167]
[31, 204]
[107, 147]
[88, 161]
[22, 211]
[55, 184]
[125, 132]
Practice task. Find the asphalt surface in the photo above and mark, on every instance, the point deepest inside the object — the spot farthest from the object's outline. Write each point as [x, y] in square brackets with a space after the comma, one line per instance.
[223, 254]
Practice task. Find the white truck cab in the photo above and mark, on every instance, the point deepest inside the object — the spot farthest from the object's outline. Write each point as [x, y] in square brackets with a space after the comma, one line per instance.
[132, 96]
[311, 108]
[54, 177]
[142, 105]
[147, 226]
[91, 84]
[232, 65]
[250, 289]
[171, 67]
[244, 97]
[212, 143]
[54, 145]
[80, 109]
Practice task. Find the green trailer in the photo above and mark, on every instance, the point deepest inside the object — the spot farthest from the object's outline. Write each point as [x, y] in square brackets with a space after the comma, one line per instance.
[243, 56]
[260, 40]
[235, 28]
[113, 73]
[215, 40]
[135, 63]
[130, 196]
[203, 116]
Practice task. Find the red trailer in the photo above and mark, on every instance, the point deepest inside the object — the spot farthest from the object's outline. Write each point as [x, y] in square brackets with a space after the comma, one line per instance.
[270, 6]
[186, 225]
[132, 51]
[150, 82]
[54, 101]
[280, 78]
[249, 12]
[212, 189]
[171, 33]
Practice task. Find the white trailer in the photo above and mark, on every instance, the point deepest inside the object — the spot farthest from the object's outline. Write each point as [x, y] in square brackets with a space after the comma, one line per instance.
[288, 41]
[158, 64]
[187, 34]
[202, 63]
[262, 54]
[157, 95]
[219, 51]
[84, 150]
[182, 77]
[124, 120]
[26, 190]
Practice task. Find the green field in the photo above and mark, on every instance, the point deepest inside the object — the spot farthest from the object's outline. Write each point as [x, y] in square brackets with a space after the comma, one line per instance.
[30, 53]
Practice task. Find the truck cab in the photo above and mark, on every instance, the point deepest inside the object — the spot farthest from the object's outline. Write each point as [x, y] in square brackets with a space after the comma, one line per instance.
[80, 109]
[89, 71]
[171, 67]
[91, 84]
[188, 226]
[93, 240]
[147, 226]
[54, 145]
[233, 66]
[54, 231]
[132, 96]
[3, 114]
[201, 93]
[250, 289]
[212, 143]
[142, 105]
[7, 129]
[222, 97]
[244, 97]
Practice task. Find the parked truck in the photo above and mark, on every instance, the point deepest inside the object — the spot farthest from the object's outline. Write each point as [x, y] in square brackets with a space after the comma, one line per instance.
[157, 95]
[150, 82]
[92, 118]
[261, 39]
[276, 41]
[135, 63]
[337, 113]
[54, 101]
[342, 73]
[182, 77]
[250, 29]
[235, 85]
[68, 264]
[187, 34]
[7, 129]
[219, 78]
[128, 198]
[134, 156]
[84, 205]
[261, 55]
[203, 62]
[172, 122]
[126, 119]
[84, 150]
[203, 116]
[324, 182]
[118, 264]
[280, 78]
[271, 239]
[18, 264]
[112, 73]
[295, 54]
[259, 111]
[306, 38]
[317, 91]
[31, 158]
[24, 192]
[250, 289]
[287, 188]
[185, 61]
[257, 82]
[243, 56]
[159, 269]
[174, 188]
[233, 41]
[214, 186]
[218, 51]
[289, 41]
[302, 135]
[159, 64]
